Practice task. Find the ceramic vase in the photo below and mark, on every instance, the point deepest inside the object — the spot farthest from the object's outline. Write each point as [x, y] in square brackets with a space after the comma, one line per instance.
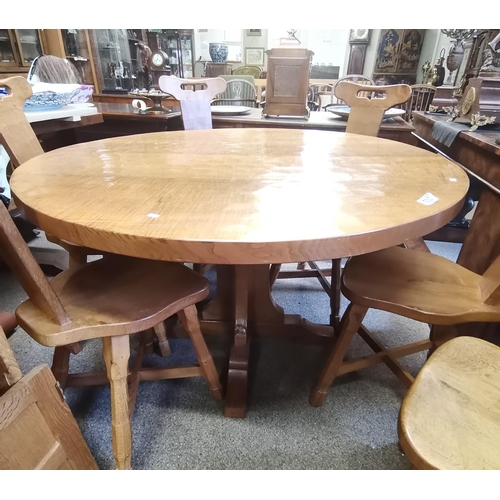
[218, 52]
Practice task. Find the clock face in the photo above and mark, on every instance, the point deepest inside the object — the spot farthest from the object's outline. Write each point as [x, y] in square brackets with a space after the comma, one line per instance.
[157, 59]
[359, 34]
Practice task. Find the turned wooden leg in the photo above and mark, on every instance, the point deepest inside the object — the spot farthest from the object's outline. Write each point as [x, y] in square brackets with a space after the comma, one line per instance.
[350, 325]
[189, 319]
[161, 335]
[60, 365]
[148, 341]
[116, 352]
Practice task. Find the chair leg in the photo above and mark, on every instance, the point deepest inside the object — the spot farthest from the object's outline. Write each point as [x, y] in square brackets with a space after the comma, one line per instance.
[60, 364]
[76, 259]
[189, 319]
[350, 325]
[301, 266]
[116, 352]
[335, 294]
[161, 334]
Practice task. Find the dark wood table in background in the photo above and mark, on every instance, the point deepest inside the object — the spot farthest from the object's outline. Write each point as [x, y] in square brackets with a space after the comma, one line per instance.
[123, 119]
[393, 128]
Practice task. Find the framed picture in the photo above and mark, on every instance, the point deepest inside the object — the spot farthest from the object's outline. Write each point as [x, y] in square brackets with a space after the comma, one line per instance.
[254, 32]
[254, 56]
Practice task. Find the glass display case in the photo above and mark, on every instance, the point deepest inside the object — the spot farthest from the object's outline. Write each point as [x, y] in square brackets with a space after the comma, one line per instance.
[178, 45]
[29, 46]
[18, 48]
[7, 57]
[76, 50]
[113, 61]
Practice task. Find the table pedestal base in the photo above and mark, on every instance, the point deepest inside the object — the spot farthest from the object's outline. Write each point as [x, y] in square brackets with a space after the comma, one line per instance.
[243, 306]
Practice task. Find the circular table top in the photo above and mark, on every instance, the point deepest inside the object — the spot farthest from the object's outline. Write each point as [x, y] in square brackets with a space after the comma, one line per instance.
[240, 196]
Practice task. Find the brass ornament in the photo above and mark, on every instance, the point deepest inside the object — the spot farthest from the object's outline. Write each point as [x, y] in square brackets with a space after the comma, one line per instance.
[468, 100]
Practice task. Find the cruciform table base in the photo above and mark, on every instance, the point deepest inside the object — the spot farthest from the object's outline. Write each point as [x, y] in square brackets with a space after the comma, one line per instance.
[243, 307]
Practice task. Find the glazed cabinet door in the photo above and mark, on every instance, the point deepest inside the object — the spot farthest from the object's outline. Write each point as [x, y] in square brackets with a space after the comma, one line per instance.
[29, 46]
[8, 53]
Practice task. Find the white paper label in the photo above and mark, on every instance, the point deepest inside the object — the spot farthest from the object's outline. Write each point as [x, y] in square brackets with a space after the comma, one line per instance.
[428, 199]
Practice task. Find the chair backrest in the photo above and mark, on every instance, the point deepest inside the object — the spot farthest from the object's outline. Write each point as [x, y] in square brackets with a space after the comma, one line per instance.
[320, 95]
[366, 113]
[239, 92]
[420, 99]
[194, 96]
[23, 265]
[361, 79]
[16, 134]
[247, 70]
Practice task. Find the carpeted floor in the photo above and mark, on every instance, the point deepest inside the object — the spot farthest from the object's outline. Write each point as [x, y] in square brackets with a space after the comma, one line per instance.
[177, 425]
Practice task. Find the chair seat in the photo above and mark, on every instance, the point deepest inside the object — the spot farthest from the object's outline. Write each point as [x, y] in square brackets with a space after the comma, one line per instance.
[418, 285]
[110, 297]
[450, 418]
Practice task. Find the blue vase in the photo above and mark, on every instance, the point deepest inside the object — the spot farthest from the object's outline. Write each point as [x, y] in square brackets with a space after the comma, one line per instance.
[218, 52]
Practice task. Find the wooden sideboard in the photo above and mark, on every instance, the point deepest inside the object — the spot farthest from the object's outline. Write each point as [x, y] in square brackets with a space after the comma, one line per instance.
[479, 155]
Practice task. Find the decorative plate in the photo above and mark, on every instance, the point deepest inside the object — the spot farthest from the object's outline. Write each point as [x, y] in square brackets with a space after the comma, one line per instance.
[42, 101]
[230, 110]
[344, 111]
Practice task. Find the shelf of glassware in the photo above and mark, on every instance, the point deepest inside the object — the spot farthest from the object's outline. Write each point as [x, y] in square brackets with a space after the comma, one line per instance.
[18, 48]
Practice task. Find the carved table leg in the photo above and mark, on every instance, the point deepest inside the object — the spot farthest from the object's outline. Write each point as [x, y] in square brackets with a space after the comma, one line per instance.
[243, 305]
[237, 377]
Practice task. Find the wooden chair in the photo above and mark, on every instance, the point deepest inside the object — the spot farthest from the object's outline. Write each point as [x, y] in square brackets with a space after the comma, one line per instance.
[239, 92]
[21, 143]
[418, 285]
[248, 70]
[109, 299]
[317, 95]
[420, 100]
[365, 118]
[194, 96]
[37, 428]
[450, 417]
[359, 79]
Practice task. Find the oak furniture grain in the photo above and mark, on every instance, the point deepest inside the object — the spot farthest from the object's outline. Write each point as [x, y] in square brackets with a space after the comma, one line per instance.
[242, 199]
[194, 96]
[22, 144]
[287, 82]
[479, 156]
[109, 299]
[450, 417]
[359, 79]
[365, 118]
[367, 112]
[37, 429]
[418, 285]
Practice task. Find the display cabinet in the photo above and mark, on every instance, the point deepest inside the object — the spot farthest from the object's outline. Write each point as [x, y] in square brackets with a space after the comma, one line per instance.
[178, 45]
[74, 45]
[7, 49]
[18, 48]
[113, 61]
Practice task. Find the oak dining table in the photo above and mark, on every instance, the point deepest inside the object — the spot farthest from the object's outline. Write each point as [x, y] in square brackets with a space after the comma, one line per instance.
[241, 199]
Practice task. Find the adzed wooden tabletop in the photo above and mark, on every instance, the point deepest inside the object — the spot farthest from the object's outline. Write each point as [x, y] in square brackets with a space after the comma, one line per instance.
[239, 196]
